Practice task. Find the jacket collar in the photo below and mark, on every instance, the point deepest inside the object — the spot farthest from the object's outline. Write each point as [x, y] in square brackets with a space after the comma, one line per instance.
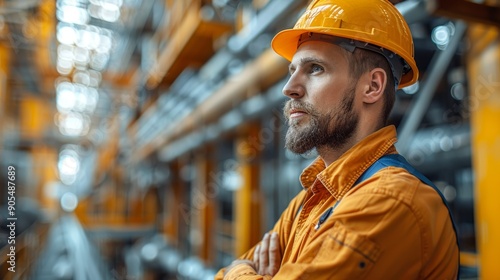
[339, 176]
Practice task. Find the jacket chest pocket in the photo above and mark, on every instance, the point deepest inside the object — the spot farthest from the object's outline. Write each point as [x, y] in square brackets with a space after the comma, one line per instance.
[347, 252]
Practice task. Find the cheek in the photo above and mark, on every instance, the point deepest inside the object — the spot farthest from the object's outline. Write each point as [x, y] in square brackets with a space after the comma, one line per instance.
[326, 101]
[326, 94]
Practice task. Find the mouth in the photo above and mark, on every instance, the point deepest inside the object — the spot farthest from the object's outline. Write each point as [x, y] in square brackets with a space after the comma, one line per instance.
[296, 113]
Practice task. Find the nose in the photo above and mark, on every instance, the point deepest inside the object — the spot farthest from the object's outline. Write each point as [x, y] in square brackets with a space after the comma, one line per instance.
[293, 88]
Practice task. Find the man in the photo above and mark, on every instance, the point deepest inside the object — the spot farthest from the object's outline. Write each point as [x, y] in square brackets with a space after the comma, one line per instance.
[347, 59]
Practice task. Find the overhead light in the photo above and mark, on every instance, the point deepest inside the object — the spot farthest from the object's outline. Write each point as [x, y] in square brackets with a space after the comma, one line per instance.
[441, 35]
[105, 42]
[458, 91]
[65, 97]
[72, 14]
[69, 202]
[412, 89]
[104, 2]
[68, 165]
[88, 37]
[73, 124]
[149, 252]
[105, 10]
[81, 56]
[66, 34]
[64, 66]
[76, 98]
[65, 52]
[69, 162]
[90, 78]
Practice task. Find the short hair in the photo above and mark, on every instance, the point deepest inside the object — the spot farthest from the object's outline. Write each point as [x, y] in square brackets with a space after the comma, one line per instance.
[362, 61]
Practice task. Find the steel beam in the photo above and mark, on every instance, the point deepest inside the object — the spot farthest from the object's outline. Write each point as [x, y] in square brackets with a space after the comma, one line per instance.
[468, 10]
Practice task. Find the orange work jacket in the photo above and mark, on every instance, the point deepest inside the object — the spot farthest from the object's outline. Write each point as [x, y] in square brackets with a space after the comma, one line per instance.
[390, 226]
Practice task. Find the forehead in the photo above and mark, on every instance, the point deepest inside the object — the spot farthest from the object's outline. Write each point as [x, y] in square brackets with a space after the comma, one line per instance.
[323, 51]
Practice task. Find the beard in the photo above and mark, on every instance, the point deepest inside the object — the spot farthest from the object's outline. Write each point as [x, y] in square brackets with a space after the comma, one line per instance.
[331, 130]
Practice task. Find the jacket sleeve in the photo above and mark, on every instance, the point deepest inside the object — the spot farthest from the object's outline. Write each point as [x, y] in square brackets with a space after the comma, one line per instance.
[282, 227]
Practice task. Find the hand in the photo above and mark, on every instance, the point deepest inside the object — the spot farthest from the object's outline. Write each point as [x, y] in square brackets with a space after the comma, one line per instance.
[267, 255]
[238, 262]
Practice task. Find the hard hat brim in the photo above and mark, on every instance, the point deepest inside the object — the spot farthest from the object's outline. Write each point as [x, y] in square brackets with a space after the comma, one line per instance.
[285, 42]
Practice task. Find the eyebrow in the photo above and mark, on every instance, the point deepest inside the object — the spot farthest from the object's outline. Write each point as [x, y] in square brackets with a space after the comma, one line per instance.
[306, 60]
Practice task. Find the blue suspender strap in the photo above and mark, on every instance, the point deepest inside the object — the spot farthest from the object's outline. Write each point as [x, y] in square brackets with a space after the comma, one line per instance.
[399, 161]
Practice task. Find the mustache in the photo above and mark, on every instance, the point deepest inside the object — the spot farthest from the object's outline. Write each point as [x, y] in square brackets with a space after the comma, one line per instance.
[298, 105]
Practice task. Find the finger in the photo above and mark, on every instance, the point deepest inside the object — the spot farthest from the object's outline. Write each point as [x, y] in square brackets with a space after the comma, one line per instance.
[264, 254]
[256, 258]
[274, 254]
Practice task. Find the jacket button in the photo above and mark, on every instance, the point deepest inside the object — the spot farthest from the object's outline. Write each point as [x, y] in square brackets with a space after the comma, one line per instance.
[362, 265]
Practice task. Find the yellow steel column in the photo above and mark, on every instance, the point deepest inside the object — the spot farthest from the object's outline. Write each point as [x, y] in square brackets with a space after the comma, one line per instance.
[483, 62]
[4, 72]
[247, 203]
[203, 205]
[174, 210]
[150, 209]
[44, 160]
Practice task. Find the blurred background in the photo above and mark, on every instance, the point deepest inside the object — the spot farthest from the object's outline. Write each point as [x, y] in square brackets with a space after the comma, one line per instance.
[145, 139]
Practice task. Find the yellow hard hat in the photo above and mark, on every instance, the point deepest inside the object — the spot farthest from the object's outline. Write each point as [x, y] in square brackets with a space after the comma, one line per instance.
[369, 24]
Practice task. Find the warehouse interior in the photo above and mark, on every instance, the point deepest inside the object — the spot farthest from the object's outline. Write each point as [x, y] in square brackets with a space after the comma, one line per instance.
[144, 139]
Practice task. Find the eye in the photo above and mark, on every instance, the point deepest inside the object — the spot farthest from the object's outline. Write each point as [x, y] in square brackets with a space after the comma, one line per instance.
[316, 68]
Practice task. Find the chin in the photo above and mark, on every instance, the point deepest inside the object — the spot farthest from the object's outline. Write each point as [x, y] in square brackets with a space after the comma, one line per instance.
[297, 122]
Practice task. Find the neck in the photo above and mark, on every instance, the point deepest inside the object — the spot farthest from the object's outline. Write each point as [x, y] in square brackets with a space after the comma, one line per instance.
[330, 154]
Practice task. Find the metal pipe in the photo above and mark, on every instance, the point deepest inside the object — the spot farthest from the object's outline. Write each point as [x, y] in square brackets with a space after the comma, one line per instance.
[274, 12]
[264, 71]
[228, 122]
[414, 11]
[438, 66]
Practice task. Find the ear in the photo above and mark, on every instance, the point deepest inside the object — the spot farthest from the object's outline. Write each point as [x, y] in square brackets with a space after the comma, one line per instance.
[375, 87]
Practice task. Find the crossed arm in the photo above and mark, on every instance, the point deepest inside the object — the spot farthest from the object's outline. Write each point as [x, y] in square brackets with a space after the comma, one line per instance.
[266, 257]
[337, 251]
